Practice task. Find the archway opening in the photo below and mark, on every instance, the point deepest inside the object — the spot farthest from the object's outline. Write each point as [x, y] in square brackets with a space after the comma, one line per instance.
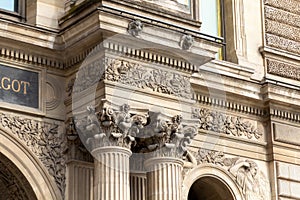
[209, 188]
[13, 184]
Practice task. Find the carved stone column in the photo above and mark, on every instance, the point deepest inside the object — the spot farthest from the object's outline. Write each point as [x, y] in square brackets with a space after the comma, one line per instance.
[164, 178]
[109, 134]
[111, 174]
[164, 165]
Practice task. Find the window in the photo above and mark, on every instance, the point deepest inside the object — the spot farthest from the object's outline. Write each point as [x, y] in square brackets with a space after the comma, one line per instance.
[211, 13]
[13, 9]
[11, 5]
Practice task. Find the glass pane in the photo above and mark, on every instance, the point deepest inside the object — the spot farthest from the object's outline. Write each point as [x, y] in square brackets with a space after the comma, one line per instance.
[7, 5]
[209, 17]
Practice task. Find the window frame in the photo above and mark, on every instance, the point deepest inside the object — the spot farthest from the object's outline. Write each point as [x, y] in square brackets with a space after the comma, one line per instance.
[17, 15]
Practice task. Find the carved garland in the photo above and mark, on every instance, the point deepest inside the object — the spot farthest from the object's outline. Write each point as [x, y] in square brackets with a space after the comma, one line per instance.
[218, 122]
[131, 74]
[43, 140]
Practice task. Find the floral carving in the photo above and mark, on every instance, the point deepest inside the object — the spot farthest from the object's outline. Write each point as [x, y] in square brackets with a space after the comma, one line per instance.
[210, 156]
[110, 127]
[155, 79]
[218, 122]
[43, 140]
[89, 75]
[165, 138]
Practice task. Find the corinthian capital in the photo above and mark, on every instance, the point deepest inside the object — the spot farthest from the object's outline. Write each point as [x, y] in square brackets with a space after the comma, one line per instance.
[166, 138]
[110, 127]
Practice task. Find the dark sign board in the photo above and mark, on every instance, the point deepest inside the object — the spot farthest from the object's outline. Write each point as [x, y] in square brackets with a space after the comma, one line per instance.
[19, 86]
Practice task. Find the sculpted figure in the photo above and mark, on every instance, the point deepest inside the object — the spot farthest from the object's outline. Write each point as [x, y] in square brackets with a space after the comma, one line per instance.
[253, 184]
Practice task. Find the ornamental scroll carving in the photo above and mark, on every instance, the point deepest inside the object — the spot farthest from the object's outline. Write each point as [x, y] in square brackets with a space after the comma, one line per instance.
[132, 74]
[218, 122]
[43, 140]
[249, 178]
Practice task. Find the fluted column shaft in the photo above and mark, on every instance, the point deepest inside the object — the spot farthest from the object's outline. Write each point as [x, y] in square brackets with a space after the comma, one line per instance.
[164, 178]
[111, 175]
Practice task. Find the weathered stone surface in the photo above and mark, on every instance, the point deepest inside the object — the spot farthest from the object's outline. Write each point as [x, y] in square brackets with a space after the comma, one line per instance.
[287, 134]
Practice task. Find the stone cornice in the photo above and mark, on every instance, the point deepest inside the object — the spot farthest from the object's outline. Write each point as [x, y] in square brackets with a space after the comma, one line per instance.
[230, 105]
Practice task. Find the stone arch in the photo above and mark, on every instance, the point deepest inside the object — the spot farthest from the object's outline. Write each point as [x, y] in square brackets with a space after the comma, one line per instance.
[210, 171]
[33, 170]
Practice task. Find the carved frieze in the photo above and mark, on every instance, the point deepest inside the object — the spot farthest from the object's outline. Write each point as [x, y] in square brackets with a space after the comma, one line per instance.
[44, 140]
[221, 123]
[283, 69]
[251, 180]
[132, 74]
[141, 77]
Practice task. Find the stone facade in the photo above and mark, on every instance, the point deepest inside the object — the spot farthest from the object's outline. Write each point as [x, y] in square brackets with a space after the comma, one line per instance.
[131, 102]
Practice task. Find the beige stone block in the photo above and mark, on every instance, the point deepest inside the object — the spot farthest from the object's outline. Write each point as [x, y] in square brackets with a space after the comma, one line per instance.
[282, 170]
[284, 188]
[286, 133]
[295, 189]
[294, 172]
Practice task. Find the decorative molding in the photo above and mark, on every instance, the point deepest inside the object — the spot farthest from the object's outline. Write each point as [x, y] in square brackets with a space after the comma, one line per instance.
[229, 105]
[209, 156]
[252, 182]
[151, 56]
[155, 79]
[164, 138]
[286, 115]
[43, 140]
[16, 54]
[221, 123]
[129, 73]
[283, 69]
[135, 28]
[110, 127]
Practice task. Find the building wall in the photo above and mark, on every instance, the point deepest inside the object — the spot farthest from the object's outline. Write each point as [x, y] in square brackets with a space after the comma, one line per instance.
[92, 53]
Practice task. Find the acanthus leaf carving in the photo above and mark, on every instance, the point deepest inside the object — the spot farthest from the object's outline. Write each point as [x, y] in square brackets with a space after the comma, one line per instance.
[163, 138]
[218, 122]
[110, 127]
[44, 140]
